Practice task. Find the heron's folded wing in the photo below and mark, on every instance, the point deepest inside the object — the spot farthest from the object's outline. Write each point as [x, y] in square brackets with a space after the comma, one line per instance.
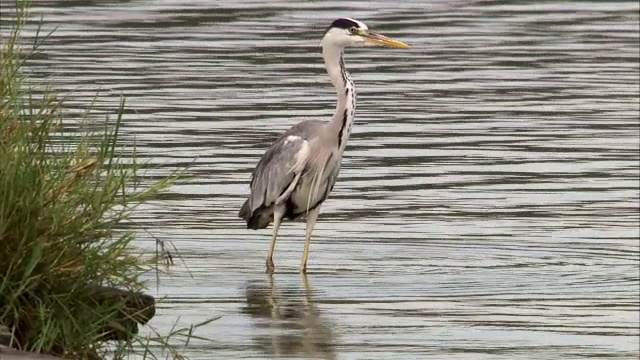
[278, 171]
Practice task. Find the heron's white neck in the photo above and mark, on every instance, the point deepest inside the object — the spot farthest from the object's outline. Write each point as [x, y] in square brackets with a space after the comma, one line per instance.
[340, 124]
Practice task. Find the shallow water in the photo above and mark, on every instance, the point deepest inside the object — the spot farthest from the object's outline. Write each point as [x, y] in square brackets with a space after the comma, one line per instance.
[487, 206]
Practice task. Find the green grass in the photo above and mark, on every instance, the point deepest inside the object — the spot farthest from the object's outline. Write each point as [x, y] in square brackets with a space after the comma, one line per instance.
[63, 194]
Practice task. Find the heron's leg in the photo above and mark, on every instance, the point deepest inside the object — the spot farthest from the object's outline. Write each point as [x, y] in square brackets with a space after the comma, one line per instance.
[277, 218]
[307, 291]
[312, 216]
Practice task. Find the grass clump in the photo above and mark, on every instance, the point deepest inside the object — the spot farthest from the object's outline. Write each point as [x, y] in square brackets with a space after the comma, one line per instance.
[66, 271]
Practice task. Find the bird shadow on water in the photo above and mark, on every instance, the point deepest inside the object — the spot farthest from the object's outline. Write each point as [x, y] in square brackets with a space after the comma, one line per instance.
[288, 322]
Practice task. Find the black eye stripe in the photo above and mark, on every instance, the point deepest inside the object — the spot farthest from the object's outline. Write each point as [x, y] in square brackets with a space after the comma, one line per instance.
[344, 24]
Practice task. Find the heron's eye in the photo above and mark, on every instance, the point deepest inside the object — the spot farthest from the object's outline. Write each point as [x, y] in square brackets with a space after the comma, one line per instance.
[353, 30]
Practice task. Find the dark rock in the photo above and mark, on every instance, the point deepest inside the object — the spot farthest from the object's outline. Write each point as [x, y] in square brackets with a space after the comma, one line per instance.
[132, 308]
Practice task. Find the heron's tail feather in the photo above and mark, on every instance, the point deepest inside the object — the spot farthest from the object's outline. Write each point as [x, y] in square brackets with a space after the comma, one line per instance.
[245, 211]
[259, 219]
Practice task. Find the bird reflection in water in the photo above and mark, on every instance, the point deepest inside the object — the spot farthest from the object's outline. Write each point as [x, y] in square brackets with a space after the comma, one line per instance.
[288, 320]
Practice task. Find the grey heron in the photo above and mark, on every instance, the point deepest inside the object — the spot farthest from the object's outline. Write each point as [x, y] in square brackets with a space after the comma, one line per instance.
[296, 174]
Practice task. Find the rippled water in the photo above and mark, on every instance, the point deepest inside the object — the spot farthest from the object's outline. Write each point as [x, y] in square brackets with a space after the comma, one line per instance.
[488, 202]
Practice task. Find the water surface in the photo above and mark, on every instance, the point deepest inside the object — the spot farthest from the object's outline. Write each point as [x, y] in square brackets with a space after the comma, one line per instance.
[487, 207]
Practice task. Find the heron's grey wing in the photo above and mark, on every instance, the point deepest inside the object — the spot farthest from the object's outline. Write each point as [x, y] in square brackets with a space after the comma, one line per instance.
[306, 129]
[278, 171]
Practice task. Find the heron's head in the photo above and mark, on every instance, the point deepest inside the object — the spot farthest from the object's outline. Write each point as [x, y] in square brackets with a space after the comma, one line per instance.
[350, 32]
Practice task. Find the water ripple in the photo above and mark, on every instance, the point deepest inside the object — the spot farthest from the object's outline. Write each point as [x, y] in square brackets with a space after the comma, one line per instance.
[488, 201]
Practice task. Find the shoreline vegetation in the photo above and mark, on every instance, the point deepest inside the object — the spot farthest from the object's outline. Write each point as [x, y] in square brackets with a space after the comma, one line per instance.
[71, 280]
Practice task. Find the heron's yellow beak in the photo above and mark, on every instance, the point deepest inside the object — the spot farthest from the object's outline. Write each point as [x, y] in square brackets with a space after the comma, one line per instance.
[374, 39]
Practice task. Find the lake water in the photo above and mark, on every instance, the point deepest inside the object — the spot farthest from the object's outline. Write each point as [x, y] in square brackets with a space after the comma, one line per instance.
[487, 207]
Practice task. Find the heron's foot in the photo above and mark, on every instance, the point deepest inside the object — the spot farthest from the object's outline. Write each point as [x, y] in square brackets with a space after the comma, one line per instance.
[271, 268]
